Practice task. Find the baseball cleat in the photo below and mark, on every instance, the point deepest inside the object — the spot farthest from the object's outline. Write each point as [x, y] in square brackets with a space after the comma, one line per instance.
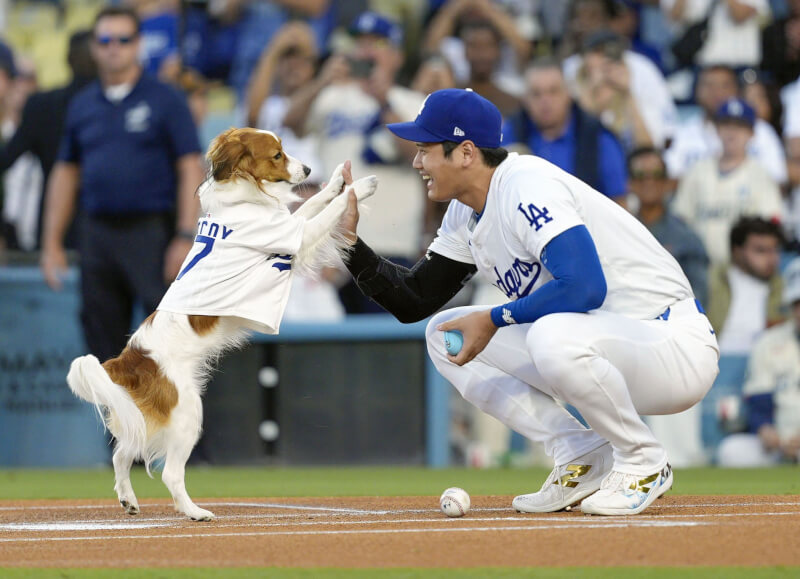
[568, 484]
[628, 494]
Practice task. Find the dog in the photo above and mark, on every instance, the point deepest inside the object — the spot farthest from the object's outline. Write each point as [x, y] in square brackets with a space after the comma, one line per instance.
[235, 279]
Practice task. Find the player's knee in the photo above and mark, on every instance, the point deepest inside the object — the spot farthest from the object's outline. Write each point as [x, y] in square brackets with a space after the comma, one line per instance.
[553, 353]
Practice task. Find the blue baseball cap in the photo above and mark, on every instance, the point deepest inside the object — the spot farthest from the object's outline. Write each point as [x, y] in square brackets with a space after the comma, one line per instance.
[379, 25]
[736, 110]
[454, 114]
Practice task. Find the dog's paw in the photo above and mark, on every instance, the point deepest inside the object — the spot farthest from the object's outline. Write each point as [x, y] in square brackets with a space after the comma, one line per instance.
[198, 514]
[336, 183]
[365, 187]
[131, 506]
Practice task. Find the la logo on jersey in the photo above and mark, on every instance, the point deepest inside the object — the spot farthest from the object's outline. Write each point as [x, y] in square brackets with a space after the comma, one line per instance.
[536, 217]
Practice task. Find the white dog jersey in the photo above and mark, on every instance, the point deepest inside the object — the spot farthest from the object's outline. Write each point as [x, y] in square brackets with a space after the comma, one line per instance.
[530, 202]
[240, 265]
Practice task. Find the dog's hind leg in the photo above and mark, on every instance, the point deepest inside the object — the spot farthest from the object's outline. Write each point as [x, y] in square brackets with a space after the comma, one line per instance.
[122, 475]
[180, 439]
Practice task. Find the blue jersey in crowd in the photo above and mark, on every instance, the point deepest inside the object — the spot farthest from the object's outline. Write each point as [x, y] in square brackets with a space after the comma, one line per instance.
[610, 170]
[127, 150]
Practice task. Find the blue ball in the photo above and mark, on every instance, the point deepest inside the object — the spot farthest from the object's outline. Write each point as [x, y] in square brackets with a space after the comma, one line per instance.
[453, 340]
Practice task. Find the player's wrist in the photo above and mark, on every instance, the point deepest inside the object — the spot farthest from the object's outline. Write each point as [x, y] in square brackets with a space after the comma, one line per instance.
[496, 315]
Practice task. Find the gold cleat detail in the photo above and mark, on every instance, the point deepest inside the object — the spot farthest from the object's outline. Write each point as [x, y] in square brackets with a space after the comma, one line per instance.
[575, 470]
[640, 485]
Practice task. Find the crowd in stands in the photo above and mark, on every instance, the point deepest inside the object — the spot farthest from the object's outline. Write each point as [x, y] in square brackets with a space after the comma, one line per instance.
[686, 112]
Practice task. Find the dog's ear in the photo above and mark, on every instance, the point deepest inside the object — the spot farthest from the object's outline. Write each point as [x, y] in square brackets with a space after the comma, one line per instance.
[225, 154]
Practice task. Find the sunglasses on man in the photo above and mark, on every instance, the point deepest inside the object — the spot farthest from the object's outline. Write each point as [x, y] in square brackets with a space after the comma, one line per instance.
[122, 40]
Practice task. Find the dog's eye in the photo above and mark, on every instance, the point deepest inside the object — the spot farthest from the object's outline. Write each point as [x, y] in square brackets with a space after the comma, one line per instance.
[277, 156]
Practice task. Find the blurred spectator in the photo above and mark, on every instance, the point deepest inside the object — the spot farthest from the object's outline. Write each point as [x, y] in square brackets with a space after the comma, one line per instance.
[287, 64]
[472, 35]
[7, 74]
[625, 22]
[697, 139]
[733, 34]
[791, 135]
[772, 392]
[649, 182]
[620, 75]
[22, 182]
[224, 39]
[345, 108]
[130, 154]
[745, 296]
[603, 88]
[716, 192]
[585, 17]
[550, 125]
[195, 87]
[761, 93]
[160, 24]
[42, 123]
[780, 43]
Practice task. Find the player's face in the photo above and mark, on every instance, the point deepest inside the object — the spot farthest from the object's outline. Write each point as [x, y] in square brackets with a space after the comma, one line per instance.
[439, 173]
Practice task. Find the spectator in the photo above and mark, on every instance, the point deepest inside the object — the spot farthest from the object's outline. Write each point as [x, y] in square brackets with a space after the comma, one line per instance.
[42, 123]
[772, 392]
[780, 43]
[195, 87]
[22, 182]
[761, 93]
[345, 109]
[484, 47]
[649, 182]
[696, 138]
[791, 134]
[630, 74]
[626, 24]
[585, 17]
[130, 150]
[716, 192]
[745, 295]
[160, 25]
[287, 64]
[734, 28]
[555, 128]
[603, 88]
[224, 40]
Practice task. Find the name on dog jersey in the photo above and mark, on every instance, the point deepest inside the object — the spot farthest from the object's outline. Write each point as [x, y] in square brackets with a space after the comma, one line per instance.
[212, 229]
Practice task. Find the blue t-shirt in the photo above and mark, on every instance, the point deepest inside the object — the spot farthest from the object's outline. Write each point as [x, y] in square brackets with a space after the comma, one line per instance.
[127, 151]
[561, 152]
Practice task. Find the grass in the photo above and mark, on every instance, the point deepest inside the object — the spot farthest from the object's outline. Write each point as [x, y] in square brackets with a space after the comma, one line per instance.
[294, 482]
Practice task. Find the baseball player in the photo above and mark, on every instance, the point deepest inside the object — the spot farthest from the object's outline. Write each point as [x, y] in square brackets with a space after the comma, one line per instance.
[599, 315]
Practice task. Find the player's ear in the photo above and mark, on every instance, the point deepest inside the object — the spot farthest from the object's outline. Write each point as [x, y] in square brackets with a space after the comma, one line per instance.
[468, 153]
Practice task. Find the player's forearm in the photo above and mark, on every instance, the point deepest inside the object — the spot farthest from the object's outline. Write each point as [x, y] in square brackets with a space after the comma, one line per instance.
[408, 294]
[60, 196]
[190, 176]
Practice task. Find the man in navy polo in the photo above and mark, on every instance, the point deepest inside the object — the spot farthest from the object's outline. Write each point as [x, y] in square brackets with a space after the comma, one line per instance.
[131, 156]
[550, 125]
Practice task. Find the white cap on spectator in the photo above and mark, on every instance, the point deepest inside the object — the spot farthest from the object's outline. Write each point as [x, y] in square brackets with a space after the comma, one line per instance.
[791, 278]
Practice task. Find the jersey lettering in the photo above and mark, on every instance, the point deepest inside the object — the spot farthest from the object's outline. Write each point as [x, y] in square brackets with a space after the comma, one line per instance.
[535, 215]
[282, 262]
[207, 233]
[510, 283]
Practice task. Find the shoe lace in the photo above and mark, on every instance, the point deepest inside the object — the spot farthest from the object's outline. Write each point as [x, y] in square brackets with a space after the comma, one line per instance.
[619, 481]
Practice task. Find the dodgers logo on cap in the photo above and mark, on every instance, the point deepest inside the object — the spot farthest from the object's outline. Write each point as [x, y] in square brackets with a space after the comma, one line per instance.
[454, 114]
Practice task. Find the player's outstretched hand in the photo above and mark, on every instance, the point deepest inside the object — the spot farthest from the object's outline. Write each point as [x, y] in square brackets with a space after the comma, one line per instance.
[477, 329]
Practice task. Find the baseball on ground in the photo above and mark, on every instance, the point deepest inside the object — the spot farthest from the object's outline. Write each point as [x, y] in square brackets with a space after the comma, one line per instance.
[454, 502]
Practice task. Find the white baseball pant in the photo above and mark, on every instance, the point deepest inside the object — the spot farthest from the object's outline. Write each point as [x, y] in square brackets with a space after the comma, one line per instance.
[611, 368]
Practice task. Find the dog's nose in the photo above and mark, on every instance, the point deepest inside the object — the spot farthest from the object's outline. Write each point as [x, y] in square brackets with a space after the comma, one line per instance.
[306, 170]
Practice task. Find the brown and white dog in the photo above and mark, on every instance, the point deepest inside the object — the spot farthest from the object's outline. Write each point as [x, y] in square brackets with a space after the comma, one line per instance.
[150, 395]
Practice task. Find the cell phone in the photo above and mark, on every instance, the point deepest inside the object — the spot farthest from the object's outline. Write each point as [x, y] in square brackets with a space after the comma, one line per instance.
[361, 67]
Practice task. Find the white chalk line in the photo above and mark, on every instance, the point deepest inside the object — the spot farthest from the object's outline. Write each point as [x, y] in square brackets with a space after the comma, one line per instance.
[621, 524]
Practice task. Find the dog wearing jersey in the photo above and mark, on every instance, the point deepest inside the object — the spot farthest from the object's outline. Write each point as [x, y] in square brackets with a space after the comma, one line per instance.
[236, 279]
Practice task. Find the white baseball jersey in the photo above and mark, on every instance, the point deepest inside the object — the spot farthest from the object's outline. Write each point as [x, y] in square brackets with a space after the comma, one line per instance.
[775, 368]
[531, 201]
[711, 203]
[240, 265]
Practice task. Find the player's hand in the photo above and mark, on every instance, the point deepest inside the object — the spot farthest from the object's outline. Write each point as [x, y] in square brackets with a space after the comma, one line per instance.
[477, 329]
[347, 174]
[53, 263]
[177, 251]
[348, 224]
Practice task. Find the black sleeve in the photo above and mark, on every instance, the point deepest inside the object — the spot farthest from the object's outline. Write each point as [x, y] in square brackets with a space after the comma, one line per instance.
[412, 294]
[21, 141]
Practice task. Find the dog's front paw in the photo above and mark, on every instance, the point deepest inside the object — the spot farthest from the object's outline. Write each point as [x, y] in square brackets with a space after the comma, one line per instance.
[198, 514]
[336, 183]
[130, 505]
[365, 187]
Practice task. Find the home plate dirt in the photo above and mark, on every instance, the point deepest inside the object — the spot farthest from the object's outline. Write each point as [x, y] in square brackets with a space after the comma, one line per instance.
[398, 532]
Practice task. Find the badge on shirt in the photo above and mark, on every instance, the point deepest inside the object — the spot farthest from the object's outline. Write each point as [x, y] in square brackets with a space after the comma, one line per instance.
[137, 119]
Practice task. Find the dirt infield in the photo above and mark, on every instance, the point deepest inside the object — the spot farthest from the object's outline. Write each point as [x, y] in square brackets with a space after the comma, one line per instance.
[399, 532]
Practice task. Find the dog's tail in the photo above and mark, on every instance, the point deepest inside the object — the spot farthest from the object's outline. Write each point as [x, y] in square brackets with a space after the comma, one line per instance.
[88, 380]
